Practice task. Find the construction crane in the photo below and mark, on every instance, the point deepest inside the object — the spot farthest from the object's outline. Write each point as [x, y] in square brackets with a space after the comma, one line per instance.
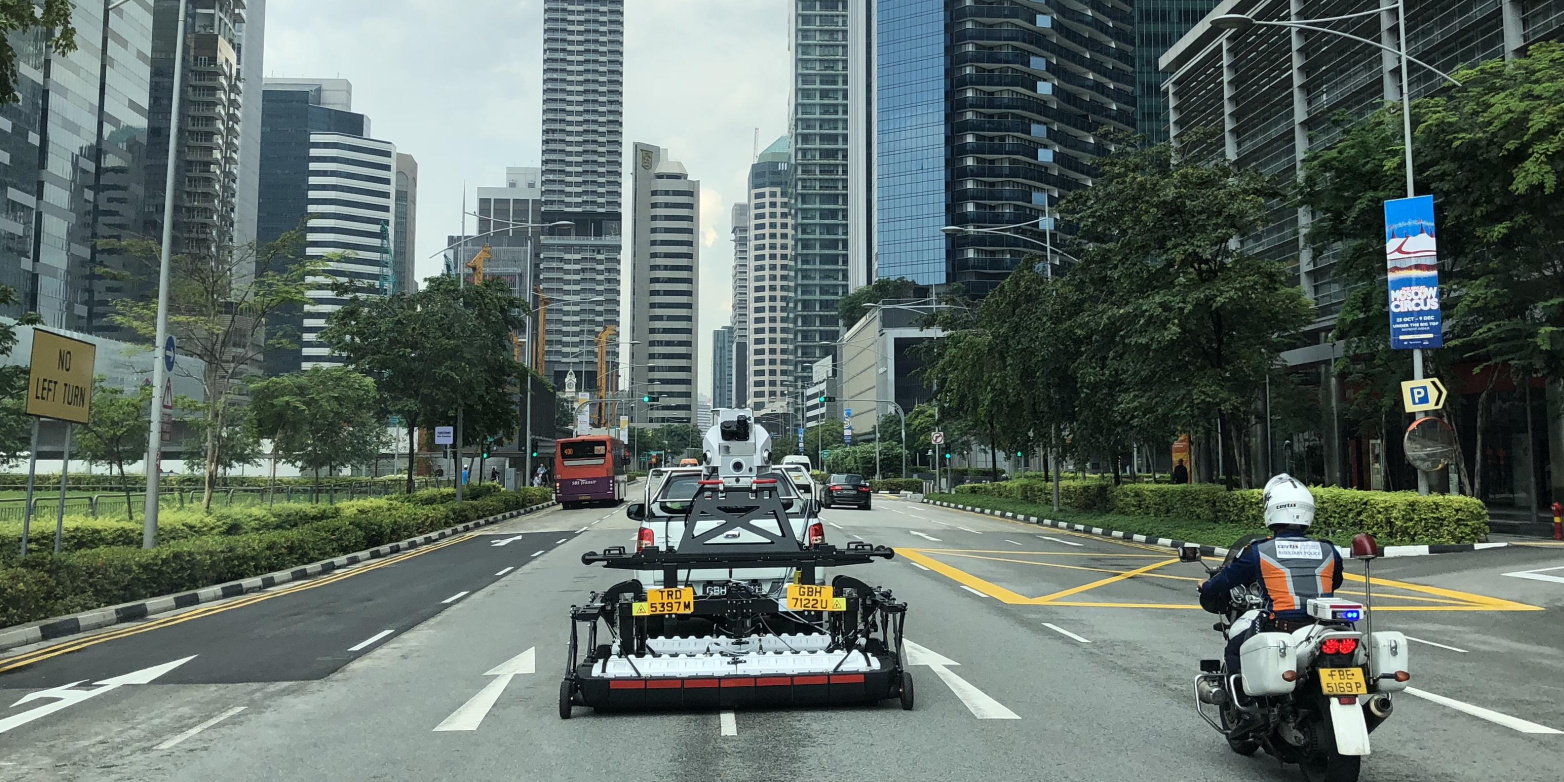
[604, 339]
[477, 262]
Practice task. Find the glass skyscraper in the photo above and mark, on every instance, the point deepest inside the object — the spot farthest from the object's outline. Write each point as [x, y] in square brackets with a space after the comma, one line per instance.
[1158, 25]
[911, 149]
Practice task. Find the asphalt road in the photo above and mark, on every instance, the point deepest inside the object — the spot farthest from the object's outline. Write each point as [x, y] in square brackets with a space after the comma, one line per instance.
[1063, 667]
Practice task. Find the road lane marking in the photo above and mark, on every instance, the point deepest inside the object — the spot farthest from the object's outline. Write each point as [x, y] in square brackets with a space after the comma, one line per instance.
[535, 553]
[857, 537]
[507, 541]
[973, 531]
[925, 536]
[66, 695]
[1011, 542]
[66, 647]
[470, 714]
[1513, 723]
[730, 724]
[1060, 540]
[978, 702]
[579, 531]
[918, 566]
[1064, 632]
[561, 540]
[197, 729]
[367, 642]
[1104, 582]
[1431, 643]
[1537, 575]
[454, 598]
[834, 524]
[506, 570]
[973, 591]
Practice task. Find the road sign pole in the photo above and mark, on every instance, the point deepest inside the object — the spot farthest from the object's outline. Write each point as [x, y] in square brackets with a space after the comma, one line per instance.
[65, 471]
[1417, 374]
[32, 476]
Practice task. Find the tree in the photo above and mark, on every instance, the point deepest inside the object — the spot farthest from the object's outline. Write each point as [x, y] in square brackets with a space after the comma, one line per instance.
[323, 418]
[237, 443]
[443, 348]
[19, 19]
[15, 426]
[116, 431]
[851, 308]
[217, 307]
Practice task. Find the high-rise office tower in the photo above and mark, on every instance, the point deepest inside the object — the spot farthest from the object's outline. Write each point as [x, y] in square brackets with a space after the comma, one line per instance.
[722, 368]
[212, 106]
[583, 119]
[404, 240]
[823, 201]
[73, 149]
[251, 34]
[772, 272]
[318, 160]
[738, 320]
[665, 283]
[988, 113]
[1158, 25]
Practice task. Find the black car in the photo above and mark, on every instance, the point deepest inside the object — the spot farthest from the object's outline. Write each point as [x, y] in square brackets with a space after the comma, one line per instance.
[845, 489]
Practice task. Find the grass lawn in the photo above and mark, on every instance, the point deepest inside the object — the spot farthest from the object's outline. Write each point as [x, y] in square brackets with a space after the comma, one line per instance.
[1189, 530]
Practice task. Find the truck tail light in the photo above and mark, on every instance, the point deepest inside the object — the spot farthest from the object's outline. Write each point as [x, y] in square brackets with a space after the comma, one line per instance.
[645, 539]
[816, 534]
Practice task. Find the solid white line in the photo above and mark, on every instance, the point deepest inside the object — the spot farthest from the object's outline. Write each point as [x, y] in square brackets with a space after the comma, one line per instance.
[1431, 643]
[973, 531]
[506, 570]
[920, 567]
[535, 553]
[471, 713]
[1011, 542]
[579, 531]
[834, 524]
[561, 540]
[370, 640]
[203, 726]
[978, 702]
[973, 591]
[1059, 540]
[730, 724]
[1513, 723]
[923, 535]
[1064, 632]
[454, 598]
[856, 537]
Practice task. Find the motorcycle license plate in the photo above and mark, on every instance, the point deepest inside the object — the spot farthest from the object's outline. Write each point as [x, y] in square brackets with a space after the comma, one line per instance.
[1342, 681]
[660, 602]
[810, 597]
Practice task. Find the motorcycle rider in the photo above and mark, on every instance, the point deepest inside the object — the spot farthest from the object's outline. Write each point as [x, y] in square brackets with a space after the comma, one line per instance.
[1289, 567]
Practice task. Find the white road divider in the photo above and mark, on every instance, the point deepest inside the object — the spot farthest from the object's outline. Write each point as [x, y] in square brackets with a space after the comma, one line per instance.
[1064, 632]
[454, 598]
[367, 642]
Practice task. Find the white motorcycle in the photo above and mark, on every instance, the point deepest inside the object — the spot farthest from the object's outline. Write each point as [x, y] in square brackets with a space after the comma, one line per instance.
[1319, 690]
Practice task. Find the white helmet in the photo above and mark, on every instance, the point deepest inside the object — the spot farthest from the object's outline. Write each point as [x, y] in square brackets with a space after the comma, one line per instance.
[1288, 503]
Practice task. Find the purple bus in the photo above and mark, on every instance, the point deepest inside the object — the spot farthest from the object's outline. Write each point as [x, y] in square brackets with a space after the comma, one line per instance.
[589, 469]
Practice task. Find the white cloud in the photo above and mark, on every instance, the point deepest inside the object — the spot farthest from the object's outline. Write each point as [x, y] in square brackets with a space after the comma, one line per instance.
[457, 85]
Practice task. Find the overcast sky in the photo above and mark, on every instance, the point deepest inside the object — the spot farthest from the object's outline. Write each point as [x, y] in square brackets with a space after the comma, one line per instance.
[456, 83]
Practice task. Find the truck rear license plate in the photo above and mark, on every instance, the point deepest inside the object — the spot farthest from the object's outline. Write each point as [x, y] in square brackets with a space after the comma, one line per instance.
[1342, 681]
[810, 597]
[660, 602]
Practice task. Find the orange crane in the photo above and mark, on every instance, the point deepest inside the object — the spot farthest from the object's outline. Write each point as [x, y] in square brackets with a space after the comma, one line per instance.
[604, 339]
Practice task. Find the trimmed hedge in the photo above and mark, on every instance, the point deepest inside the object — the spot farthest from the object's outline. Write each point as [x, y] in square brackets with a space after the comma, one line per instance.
[1395, 518]
[897, 484]
[230, 546]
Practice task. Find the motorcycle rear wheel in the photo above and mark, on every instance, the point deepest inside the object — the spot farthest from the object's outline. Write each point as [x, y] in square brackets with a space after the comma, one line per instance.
[1331, 767]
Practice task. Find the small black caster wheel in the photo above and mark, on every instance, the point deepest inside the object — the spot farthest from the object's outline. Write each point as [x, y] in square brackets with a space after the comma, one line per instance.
[565, 692]
[906, 691]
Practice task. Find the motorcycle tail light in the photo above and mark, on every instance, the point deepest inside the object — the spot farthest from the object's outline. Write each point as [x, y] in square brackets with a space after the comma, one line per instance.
[1339, 646]
[645, 539]
[816, 534]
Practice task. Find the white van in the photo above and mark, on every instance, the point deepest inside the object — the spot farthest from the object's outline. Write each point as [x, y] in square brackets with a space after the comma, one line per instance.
[796, 459]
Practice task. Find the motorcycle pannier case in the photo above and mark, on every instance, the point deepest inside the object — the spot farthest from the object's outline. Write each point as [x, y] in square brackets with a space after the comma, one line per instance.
[1390, 656]
[1266, 659]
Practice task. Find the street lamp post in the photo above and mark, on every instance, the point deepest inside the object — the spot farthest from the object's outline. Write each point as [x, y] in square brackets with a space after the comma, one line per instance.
[155, 431]
[1238, 22]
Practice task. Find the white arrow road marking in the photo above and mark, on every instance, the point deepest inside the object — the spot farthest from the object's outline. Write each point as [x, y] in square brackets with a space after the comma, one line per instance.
[1060, 540]
[976, 701]
[65, 697]
[1441, 646]
[506, 570]
[923, 535]
[730, 724]
[1513, 723]
[367, 642]
[1064, 632]
[506, 541]
[471, 713]
[454, 598]
[197, 729]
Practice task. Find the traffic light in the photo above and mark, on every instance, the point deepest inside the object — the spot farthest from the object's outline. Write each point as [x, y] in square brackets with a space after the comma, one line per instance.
[1020, 454]
[534, 454]
[824, 399]
[947, 454]
[648, 398]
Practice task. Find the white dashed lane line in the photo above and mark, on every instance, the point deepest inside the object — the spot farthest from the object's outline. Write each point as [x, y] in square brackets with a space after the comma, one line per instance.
[197, 729]
[918, 566]
[1011, 542]
[834, 524]
[973, 531]
[367, 642]
[506, 570]
[561, 540]
[1064, 632]
[1441, 646]
[973, 591]
[535, 553]
[454, 598]
[925, 536]
[729, 724]
[1060, 540]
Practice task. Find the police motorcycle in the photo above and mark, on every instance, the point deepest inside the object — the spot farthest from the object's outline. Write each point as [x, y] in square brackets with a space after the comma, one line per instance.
[1309, 695]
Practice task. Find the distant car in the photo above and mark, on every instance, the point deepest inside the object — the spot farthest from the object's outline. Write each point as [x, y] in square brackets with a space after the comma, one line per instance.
[846, 489]
[798, 459]
[689, 462]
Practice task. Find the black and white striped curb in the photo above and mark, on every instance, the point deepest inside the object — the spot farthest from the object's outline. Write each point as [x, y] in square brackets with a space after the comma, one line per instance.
[60, 627]
[1209, 551]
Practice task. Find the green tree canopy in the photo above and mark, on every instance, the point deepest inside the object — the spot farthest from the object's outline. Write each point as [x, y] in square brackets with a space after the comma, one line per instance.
[321, 419]
[116, 432]
[853, 306]
[15, 426]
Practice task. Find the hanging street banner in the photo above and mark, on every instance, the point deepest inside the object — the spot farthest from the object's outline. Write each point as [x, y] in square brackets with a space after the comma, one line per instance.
[1412, 269]
[800, 439]
[847, 426]
[59, 384]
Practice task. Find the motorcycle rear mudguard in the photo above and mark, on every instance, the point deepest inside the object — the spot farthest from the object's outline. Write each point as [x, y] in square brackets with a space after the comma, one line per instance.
[1346, 719]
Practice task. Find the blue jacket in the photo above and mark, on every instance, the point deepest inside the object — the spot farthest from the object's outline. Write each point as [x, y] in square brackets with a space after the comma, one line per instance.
[1287, 582]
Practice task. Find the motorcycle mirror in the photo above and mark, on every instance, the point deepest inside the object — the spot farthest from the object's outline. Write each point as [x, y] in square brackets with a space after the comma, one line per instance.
[1364, 546]
[1189, 554]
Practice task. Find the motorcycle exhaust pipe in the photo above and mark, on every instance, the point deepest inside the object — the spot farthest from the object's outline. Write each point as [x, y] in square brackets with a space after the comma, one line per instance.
[1377, 710]
[1211, 692]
